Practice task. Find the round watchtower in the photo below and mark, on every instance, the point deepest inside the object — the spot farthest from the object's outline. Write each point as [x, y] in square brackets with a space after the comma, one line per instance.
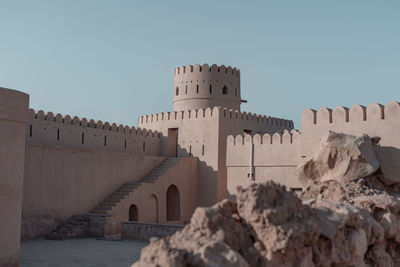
[203, 86]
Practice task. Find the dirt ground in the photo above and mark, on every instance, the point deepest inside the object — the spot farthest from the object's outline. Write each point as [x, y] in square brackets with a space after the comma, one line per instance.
[79, 252]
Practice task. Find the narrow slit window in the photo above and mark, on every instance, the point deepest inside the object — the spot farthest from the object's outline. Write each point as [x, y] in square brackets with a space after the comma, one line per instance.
[125, 144]
[58, 134]
[30, 130]
[105, 140]
[210, 89]
[197, 88]
[83, 138]
[190, 150]
[144, 146]
[202, 150]
[177, 91]
[186, 90]
[224, 90]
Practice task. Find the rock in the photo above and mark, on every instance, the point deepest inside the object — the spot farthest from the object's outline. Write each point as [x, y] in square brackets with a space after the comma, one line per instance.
[339, 157]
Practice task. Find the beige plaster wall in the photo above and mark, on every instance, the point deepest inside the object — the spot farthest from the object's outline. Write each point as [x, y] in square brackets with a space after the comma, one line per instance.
[209, 128]
[150, 198]
[13, 117]
[61, 181]
[375, 120]
[196, 128]
[198, 87]
[267, 157]
[80, 133]
[276, 156]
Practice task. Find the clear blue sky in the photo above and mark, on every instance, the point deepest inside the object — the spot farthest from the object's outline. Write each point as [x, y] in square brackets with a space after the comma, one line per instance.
[113, 60]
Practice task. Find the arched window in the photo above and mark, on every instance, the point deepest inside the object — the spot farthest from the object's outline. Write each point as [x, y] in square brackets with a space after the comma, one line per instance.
[224, 90]
[177, 91]
[173, 204]
[133, 213]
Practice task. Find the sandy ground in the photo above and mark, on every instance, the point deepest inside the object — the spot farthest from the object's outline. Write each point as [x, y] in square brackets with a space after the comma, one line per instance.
[79, 252]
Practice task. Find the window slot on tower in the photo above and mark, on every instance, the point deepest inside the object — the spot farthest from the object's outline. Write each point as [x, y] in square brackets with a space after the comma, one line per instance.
[105, 140]
[83, 138]
[197, 88]
[202, 150]
[58, 134]
[30, 130]
[210, 89]
[224, 90]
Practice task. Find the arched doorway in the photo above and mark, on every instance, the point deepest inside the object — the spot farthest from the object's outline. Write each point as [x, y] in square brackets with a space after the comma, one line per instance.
[153, 208]
[133, 213]
[173, 204]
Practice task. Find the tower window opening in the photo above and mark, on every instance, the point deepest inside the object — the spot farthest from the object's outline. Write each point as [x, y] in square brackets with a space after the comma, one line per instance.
[224, 90]
[186, 90]
[144, 146]
[83, 138]
[125, 144]
[30, 130]
[197, 88]
[105, 140]
[202, 150]
[177, 91]
[58, 134]
[210, 89]
[190, 150]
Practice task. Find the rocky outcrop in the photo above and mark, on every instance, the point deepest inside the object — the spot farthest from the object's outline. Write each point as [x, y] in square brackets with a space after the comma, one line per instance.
[339, 157]
[348, 216]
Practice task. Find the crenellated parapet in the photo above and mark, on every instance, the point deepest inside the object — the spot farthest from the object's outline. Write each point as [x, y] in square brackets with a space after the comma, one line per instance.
[71, 131]
[356, 113]
[374, 120]
[263, 157]
[198, 86]
[244, 119]
[287, 137]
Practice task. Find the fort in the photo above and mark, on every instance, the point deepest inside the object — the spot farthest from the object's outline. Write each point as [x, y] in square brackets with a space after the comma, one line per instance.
[54, 166]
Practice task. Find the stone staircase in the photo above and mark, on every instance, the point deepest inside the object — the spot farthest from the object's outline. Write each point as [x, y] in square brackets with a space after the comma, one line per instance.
[75, 226]
[128, 188]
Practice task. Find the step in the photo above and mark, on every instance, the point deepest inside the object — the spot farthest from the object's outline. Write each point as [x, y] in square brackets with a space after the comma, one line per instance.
[98, 211]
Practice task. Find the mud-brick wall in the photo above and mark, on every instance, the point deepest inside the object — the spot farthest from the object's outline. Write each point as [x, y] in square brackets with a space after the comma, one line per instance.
[13, 117]
[60, 182]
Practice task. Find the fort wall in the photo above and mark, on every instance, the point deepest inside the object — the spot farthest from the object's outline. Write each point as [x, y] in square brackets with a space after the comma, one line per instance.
[265, 157]
[154, 210]
[61, 181]
[80, 133]
[203, 133]
[275, 157]
[198, 87]
[13, 117]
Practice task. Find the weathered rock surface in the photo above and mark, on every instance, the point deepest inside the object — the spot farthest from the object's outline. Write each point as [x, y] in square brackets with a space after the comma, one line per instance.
[339, 157]
[348, 216]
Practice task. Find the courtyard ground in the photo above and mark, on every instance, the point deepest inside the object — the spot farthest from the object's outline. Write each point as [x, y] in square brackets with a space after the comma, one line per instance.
[79, 252]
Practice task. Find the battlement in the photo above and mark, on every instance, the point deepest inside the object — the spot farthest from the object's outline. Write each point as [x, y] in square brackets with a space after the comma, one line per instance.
[263, 119]
[71, 131]
[287, 137]
[356, 113]
[203, 86]
[205, 68]
[210, 113]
